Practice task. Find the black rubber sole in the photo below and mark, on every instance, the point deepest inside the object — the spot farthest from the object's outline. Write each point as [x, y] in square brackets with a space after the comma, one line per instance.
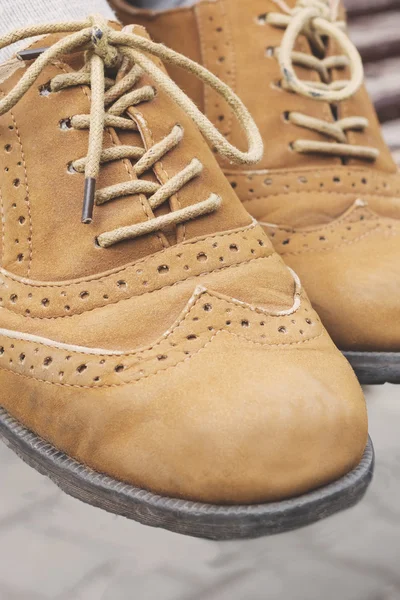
[216, 522]
[375, 367]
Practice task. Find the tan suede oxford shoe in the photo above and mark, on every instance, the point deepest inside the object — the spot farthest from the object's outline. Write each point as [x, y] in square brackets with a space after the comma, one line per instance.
[158, 360]
[327, 190]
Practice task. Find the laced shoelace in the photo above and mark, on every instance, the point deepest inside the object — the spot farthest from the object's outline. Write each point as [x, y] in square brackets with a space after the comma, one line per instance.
[316, 19]
[106, 48]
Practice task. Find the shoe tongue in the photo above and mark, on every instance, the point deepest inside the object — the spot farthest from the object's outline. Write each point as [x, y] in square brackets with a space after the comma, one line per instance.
[53, 208]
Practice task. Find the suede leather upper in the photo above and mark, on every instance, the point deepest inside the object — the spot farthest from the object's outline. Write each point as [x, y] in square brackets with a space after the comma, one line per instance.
[354, 284]
[188, 362]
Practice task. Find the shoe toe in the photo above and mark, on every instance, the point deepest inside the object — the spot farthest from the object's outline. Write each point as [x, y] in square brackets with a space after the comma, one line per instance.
[251, 408]
[242, 423]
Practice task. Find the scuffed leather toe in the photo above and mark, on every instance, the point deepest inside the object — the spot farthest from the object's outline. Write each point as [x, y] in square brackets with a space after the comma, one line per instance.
[267, 431]
[272, 410]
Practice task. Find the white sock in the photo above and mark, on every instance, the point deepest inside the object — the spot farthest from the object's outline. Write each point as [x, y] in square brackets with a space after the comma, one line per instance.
[22, 13]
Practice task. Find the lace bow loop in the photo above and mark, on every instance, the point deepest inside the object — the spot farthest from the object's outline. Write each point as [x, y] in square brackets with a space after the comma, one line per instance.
[136, 45]
[315, 20]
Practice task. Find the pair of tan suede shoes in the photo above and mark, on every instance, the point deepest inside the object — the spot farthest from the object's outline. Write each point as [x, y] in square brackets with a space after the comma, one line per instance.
[159, 356]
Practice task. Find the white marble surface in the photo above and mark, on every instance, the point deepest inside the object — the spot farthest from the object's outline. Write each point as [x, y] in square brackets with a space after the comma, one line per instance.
[53, 547]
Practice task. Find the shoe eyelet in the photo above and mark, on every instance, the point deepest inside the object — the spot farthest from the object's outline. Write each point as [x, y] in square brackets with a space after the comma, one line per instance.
[286, 116]
[262, 19]
[276, 85]
[70, 169]
[270, 51]
[45, 89]
[65, 124]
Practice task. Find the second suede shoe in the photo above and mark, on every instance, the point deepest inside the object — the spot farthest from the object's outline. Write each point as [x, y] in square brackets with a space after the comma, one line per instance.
[327, 190]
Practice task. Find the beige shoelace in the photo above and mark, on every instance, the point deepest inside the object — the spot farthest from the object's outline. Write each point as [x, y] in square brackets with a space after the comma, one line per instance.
[315, 19]
[124, 51]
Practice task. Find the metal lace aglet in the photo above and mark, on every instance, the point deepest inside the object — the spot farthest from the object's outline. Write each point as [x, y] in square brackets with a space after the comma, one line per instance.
[31, 53]
[88, 200]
